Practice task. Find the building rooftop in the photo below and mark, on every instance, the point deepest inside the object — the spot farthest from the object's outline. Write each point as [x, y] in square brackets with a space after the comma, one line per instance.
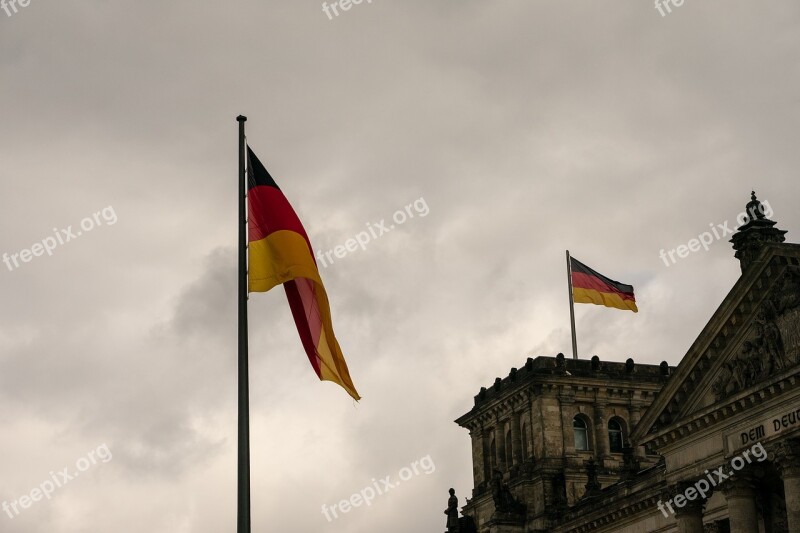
[560, 366]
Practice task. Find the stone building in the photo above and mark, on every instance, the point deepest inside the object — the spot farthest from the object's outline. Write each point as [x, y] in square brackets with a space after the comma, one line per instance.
[535, 432]
[713, 445]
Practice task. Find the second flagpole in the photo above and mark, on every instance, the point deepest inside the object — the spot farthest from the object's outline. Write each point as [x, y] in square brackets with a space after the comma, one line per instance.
[243, 475]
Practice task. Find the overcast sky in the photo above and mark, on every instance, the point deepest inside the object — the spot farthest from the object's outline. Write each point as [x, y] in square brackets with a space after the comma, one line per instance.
[521, 129]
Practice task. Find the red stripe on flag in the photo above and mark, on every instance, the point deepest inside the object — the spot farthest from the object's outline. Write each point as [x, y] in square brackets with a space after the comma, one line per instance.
[269, 211]
[586, 281]
[305, 310]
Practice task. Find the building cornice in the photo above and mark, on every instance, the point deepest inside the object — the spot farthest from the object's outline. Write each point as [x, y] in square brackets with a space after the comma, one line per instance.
[718, 412]
[542, 377]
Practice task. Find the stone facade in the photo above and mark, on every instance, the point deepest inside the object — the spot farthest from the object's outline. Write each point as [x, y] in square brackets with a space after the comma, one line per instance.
[535, 432]
[710, 446]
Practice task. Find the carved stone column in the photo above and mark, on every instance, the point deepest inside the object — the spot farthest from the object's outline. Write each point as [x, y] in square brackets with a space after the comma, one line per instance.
[690, 517]
[538, 426]
[516, 441]
[500, 445]
[787, 459]
[566, 402]
[635, 415]
[486, 439]
[527, 437]
[687, 504]
[600, 430]
[479, 460]
[741, 496]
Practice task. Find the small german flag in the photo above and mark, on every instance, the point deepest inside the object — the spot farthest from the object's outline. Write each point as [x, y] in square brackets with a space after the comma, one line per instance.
[281, 253]
[591, 287]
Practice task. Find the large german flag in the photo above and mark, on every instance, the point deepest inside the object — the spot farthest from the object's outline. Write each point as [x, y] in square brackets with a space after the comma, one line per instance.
[591, 287]
[280, 253]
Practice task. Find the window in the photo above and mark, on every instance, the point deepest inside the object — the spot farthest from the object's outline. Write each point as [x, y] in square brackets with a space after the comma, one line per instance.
[615, 436]
[581, 434]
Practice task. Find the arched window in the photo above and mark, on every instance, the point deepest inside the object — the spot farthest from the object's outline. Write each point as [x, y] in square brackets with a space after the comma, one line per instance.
[581, 433]
[615, 436]
[509, 453]
[493, 455]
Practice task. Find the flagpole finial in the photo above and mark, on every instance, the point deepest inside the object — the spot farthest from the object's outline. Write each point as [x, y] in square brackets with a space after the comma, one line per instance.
[241, 118]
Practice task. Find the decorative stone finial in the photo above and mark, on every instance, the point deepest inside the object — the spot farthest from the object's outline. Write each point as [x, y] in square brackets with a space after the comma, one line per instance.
[754, 209]
[756, 232]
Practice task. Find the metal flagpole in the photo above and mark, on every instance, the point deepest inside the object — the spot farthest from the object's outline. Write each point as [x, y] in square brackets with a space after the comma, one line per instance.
[243, 477]
[571, 308]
